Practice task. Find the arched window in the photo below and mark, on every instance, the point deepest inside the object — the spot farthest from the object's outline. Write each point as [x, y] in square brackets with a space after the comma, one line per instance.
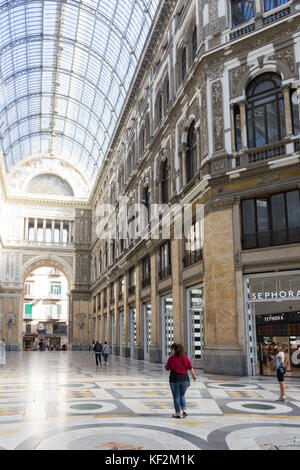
[113, 250]
[166, 92]
[95, 267]
[295, 112]
[241, 11]
[194, 43]
[142, 141]
[106, 255]
[265, 110]
[159, 108]
[183, 64]
[147, 128]
[164, 182]
[146, 200]
[270, 4]
[100, 262]
[191, 153]
[237, 127]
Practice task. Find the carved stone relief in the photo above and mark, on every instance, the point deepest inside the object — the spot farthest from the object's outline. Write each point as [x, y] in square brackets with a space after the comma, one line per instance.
[218, 121]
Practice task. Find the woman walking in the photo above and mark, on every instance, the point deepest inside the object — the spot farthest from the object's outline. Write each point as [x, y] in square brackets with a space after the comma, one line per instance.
[178, 363]
[105, 352]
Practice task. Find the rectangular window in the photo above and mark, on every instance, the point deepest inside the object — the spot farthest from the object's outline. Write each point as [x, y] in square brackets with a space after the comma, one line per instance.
[28, 310]
[165, 260]
[146, 274]
[271, 221]
[270, 4]
[241, 11]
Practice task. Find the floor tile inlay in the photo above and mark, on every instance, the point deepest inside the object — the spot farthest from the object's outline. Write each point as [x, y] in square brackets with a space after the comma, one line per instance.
[61, 400]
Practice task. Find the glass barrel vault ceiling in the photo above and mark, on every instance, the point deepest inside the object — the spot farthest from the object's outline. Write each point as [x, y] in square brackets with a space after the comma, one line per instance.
[65, 69]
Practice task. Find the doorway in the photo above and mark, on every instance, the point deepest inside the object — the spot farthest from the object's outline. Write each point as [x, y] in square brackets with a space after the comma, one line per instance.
[45, 310]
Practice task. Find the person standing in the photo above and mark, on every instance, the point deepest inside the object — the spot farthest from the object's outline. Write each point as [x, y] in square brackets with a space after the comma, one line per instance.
[105, 352]
[178, 364]
[98, 350]
[278, 362]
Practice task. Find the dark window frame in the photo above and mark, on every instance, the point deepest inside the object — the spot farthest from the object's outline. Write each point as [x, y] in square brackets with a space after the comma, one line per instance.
[270, 237]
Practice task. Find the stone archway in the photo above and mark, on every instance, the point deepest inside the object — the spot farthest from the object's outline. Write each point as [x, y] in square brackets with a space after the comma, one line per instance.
[66, 270]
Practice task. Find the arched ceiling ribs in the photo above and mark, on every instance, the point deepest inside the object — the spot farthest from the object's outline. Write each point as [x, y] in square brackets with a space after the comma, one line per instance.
[58, 95]
[48, 116]
[75, 44]
[68, 66]
[49, 133]
[100, 16]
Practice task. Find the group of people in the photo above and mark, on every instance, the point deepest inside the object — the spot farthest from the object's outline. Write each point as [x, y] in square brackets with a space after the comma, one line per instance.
[101, 350]
[179, 364]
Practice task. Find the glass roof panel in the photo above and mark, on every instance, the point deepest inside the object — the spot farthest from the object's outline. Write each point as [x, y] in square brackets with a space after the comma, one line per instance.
[66, 67]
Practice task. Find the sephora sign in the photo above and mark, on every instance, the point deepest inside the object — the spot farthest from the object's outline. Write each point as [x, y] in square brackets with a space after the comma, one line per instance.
[276, 295]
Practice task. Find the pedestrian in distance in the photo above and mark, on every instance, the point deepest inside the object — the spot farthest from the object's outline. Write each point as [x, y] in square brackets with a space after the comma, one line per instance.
[278, 363]
[2, 352]
[98, 351]
[105, 352]
[178, 364]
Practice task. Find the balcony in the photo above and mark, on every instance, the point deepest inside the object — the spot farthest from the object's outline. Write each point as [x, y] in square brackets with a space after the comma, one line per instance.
[192, 258]
[276, 15]
[272, 238]
[241, 31]
[165, 272]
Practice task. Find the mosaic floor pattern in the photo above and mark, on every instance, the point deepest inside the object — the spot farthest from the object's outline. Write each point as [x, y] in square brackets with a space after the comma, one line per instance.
[61, 400]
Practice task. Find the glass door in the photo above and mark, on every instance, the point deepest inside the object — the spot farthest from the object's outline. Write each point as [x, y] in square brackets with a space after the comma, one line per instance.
[121, 331]
[147, 330]
[112, 332]
[167, 326]
[132, 330]
[195, 325]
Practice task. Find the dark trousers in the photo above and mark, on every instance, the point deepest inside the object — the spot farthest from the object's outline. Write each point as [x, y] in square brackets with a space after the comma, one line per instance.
[98, 357]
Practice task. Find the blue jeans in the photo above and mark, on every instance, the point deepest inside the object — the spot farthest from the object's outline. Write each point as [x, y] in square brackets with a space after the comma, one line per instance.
[105, 356]
[178, 391]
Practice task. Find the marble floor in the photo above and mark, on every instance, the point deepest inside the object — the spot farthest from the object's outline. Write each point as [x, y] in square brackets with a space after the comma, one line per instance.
[61, 400]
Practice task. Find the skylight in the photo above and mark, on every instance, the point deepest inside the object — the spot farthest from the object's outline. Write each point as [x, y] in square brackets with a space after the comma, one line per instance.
[66, 67]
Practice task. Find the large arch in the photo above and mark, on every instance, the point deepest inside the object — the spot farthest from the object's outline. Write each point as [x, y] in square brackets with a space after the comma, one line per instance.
[48, 262]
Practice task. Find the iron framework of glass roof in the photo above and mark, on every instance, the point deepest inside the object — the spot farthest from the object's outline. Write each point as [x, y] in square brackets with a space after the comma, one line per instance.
[66, 67]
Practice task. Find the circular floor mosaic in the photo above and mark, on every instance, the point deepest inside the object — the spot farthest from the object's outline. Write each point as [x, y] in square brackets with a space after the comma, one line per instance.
[259, 407]
[232, 386]
[87, 408]
[122, 438]
[264, 438]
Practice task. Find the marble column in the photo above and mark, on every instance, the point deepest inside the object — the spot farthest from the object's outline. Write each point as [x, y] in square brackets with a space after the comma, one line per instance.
[116, 338]
[222, 352]
[286, 89]
[176, 257]
[155, 353]
[244, 142]
[126, 347]
[138, 347]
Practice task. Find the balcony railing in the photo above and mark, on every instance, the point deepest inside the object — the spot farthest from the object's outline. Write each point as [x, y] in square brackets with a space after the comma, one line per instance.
[265, 153]
[165, 272]
[271, 238]
[241, 31]
[276, 15]
[192, 258]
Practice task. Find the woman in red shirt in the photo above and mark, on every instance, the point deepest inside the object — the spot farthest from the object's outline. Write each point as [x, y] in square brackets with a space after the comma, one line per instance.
[178, 363]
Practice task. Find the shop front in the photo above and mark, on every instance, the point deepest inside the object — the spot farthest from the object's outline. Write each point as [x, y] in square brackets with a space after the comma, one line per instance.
[194, 317]
[272, 306]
